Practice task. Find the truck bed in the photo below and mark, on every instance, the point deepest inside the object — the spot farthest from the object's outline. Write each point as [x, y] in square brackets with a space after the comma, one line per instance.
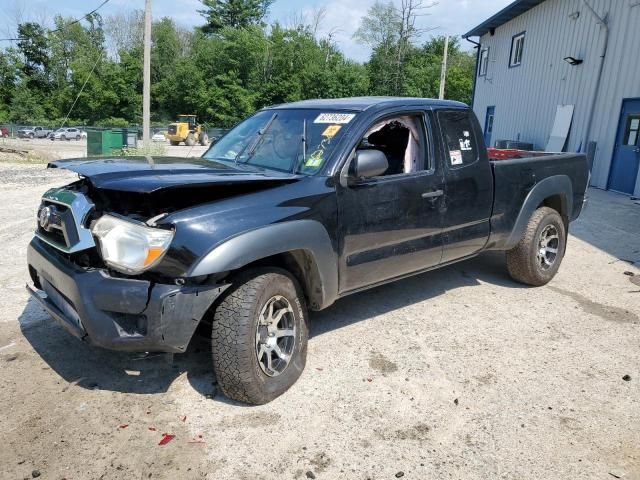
[515, 197]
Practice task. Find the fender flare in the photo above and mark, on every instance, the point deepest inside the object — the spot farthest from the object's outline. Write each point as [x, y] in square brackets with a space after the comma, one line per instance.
[555, 185]
[306, 235]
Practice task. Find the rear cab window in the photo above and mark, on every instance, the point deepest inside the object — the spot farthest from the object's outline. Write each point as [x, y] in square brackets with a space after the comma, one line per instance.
[458, 134]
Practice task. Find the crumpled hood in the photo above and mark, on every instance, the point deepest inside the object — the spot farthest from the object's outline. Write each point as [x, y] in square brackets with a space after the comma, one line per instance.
[150, 174]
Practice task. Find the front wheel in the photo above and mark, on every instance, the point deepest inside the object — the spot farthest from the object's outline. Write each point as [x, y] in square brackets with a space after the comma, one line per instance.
[537, 257]
[259, 336]
[190, 141]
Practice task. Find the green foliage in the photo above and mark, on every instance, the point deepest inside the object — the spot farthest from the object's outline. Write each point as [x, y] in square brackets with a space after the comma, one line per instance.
[221, 73]
[222, 14]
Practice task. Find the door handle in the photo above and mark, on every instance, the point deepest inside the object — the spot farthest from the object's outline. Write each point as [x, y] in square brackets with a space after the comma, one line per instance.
[434, 194]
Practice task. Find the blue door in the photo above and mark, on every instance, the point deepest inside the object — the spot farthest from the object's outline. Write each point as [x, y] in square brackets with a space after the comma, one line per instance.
[626, 156]
[488, 125]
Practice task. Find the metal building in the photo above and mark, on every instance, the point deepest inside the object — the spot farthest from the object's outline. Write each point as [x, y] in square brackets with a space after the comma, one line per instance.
[547, 65]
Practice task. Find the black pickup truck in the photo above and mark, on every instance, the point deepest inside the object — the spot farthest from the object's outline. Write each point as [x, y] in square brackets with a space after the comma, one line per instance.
[297, 206]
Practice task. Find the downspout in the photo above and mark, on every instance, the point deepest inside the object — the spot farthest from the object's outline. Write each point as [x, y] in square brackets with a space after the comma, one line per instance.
[596, 94]
[475, 73]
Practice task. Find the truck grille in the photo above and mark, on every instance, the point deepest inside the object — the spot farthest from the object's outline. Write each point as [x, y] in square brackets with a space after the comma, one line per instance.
[61, 219]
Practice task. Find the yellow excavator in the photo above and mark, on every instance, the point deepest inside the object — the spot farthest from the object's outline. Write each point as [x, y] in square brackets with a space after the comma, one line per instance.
[187, 130]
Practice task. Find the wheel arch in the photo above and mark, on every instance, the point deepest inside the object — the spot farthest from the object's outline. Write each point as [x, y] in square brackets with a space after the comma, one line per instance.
[302, 247]
[555, 192]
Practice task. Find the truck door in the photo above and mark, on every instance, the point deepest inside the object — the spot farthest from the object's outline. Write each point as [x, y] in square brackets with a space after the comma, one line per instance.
[391, 225]
[469, 184]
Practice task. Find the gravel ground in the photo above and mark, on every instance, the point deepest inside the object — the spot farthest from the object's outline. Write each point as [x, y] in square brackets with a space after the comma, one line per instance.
[74, 149]
[460, 373]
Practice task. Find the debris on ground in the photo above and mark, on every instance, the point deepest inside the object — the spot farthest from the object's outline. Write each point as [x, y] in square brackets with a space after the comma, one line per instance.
[456, 401]
[310, 475]
[627, 378]
[197, 440]
[629, 274]
[183, 418]
[22, 153]
[616, 474]
[123, 426]
[35, 473]
[166, 438]
[152, 429]
[399, 474]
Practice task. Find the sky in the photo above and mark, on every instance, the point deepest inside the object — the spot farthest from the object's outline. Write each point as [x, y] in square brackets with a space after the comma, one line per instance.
[447, 17]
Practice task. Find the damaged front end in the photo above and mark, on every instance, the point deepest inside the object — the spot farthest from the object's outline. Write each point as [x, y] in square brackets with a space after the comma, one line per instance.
[114, 312]
[98, 262]
[75, 279]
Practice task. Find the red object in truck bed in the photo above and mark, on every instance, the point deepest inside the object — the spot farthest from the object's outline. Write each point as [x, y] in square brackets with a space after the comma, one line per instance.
[506, 154]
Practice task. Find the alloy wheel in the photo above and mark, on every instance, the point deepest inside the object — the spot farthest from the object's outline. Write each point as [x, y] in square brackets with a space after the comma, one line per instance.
[275, 336]
[548, 244]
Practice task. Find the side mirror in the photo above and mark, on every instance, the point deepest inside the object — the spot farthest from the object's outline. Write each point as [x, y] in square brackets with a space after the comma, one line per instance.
[369, 163]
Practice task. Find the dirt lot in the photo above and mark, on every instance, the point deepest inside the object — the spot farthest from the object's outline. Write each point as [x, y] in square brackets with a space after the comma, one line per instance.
[460, 373]
[56, 150]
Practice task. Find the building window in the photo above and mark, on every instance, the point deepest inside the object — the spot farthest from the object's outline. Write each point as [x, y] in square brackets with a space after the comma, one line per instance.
[484, 62]
[633, 128]
[517, 49]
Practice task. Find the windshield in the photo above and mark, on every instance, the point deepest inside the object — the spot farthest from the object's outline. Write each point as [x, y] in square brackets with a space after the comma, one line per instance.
[297, 141]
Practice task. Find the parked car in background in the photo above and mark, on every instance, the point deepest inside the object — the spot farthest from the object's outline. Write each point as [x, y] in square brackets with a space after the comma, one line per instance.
[159, 136]
[4, 132]
[34, 132]
[68, 134]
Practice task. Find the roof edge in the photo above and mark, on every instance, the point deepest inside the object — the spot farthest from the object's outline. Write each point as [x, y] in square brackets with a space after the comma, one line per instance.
[508, 13]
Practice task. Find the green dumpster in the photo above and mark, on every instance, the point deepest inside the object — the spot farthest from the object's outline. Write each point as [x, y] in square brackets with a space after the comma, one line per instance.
[107, 141]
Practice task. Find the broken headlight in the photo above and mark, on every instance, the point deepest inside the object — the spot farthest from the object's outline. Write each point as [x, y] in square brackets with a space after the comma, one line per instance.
[130, 247]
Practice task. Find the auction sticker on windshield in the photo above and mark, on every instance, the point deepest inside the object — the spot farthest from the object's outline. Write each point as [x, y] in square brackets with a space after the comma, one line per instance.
[331, 131]
[336, 118]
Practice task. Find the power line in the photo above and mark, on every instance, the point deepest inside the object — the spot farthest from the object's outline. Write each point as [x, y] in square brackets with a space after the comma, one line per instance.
[77, 20]
[82, 89]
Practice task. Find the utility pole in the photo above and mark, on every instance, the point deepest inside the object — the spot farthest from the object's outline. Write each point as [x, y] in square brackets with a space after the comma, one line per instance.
[443, 71]
[146, 86]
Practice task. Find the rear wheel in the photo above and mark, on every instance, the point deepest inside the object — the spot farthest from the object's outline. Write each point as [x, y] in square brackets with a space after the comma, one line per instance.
[190, 141]
[259, 336]
[537, 257]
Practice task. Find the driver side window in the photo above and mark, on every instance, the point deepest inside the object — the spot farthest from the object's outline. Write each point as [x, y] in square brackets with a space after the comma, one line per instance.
[402, 139]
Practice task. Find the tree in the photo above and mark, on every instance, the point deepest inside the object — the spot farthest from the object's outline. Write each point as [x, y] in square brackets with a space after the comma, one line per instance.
[220, 77]
[391, 32]
[233, 13]
[422, 73]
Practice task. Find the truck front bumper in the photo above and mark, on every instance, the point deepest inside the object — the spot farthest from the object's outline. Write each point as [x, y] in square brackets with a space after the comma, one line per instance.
[117, 313]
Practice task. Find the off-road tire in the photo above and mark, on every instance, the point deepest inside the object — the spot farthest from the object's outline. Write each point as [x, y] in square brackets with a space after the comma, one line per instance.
[233, 336]
[522, 261]
[204, 139]
[174, 143]
[190, 141]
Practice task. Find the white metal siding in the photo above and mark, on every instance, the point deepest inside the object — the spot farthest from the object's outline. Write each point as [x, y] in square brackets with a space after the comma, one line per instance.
[526, 97]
